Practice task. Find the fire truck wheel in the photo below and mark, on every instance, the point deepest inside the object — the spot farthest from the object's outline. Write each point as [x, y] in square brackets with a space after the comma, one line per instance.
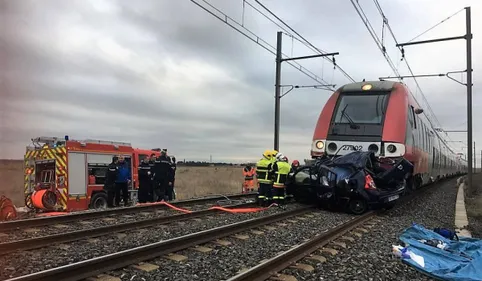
[98, 201]
[28, 201]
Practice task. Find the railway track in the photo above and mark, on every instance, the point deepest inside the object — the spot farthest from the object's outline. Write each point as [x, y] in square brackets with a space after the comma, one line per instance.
[92, 267]
[124, 258]
[45, 241]
[269, 268]
[91, 215]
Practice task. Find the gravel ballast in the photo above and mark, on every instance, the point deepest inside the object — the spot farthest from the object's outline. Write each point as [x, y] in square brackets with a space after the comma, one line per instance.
[39, 231]
[225, 261]
[21, 263]
[370, 257]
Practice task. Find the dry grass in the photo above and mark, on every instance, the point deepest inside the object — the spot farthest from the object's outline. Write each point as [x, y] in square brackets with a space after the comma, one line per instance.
[190, 181]
[11, 173]
[201, 181]
[474, 204]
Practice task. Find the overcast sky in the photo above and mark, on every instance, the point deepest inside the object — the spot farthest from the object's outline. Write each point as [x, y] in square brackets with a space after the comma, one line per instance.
[168, 74]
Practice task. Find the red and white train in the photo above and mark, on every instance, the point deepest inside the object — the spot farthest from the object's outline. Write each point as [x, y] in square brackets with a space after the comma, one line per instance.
[383, 116]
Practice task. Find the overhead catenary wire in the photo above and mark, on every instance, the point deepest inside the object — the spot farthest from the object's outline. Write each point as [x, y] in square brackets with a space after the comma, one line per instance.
[374, 35]
[318, 50]
[380, 10]
[257, 39]
[434, 26]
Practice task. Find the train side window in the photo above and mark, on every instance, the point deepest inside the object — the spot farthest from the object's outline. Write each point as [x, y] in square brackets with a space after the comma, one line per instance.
[412, 113]
[410, 118]
[422, 127]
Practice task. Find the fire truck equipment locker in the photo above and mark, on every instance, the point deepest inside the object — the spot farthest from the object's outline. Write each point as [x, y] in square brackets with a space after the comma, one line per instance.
[77, 174]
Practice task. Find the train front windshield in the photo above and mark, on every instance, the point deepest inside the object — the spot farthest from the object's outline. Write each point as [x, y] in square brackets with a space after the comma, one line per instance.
[358, 109]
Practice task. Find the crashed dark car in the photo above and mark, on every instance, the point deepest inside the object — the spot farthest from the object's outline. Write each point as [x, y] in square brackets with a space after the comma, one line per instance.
[356, 182]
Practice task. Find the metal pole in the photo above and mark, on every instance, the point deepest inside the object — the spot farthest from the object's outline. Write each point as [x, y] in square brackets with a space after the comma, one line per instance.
[469, 96]
[277, 98]
[475, 161]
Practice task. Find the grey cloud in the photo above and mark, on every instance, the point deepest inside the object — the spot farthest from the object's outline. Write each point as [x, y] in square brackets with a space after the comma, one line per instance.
[232, 117]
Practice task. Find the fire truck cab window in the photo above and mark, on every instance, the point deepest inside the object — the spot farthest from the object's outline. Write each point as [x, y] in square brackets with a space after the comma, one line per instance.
[142, 157]
[361, 109]
[98, 171]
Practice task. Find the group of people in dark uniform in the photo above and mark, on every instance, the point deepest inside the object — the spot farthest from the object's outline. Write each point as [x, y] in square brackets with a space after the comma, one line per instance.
[117, 181]
[156, 180]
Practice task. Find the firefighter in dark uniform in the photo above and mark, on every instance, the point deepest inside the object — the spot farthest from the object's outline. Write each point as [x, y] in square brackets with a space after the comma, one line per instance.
[162, 176]
[144, 172]
[281, 169]
[110, 178]
[263, 174]
[174, 168]
[152, 161]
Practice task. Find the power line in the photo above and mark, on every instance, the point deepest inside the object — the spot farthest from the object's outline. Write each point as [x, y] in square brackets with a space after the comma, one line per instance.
[380, 10]
[257, 39]
[374, 35]
[306, 41]
[442, 21]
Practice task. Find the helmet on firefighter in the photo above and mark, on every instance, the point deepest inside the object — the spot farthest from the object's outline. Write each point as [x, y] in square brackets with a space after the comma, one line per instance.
[279, 156]
[296, 163]
[267, 154]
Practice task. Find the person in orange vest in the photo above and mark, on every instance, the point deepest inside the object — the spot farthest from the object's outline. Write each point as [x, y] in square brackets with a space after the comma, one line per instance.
[248, 173]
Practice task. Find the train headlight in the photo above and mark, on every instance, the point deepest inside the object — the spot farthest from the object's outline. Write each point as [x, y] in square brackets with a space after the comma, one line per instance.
[320, 144]
[391, 148]
[373, 148]
[332, 146]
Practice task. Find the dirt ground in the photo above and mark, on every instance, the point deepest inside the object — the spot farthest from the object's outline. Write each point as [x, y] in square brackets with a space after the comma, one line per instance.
[190, 181]
[474, 208]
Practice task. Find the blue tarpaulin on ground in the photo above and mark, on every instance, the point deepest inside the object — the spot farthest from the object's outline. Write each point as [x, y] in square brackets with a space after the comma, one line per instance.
[460, 261]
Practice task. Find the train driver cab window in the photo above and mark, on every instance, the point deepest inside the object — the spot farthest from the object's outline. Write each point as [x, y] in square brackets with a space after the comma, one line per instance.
[361, 109]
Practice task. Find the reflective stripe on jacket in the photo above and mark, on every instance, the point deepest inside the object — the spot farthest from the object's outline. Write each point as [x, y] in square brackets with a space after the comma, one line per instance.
[263, 172]
[281, 171]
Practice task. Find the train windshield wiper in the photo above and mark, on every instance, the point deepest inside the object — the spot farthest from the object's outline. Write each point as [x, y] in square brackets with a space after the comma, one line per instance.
[347, 117]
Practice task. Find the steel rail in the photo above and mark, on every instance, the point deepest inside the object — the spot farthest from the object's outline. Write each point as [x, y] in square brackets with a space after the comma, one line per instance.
[34, 222]
[44, 241]
[84, 269]
[266, 269]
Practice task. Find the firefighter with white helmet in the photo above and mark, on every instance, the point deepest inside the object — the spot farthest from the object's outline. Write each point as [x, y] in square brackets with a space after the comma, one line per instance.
[281, 169]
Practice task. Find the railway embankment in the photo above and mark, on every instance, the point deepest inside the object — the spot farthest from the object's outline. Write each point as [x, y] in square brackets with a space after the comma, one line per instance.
[474, 208]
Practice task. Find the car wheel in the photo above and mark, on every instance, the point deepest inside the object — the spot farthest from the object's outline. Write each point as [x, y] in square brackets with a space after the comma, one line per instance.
[357, 206]
[98, 201]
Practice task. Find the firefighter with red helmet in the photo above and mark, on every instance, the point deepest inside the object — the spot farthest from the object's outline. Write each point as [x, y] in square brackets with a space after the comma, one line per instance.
[295, 165]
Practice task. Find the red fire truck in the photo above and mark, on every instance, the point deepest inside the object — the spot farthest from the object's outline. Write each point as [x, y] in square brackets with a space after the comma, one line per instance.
[69, 175]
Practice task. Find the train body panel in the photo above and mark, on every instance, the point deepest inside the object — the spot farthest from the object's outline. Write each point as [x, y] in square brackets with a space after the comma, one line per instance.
[383, 117]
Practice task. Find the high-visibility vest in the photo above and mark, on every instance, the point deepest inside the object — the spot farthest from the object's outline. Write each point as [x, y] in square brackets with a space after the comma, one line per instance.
[263, 172]
[281, 174]
[248, 175]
